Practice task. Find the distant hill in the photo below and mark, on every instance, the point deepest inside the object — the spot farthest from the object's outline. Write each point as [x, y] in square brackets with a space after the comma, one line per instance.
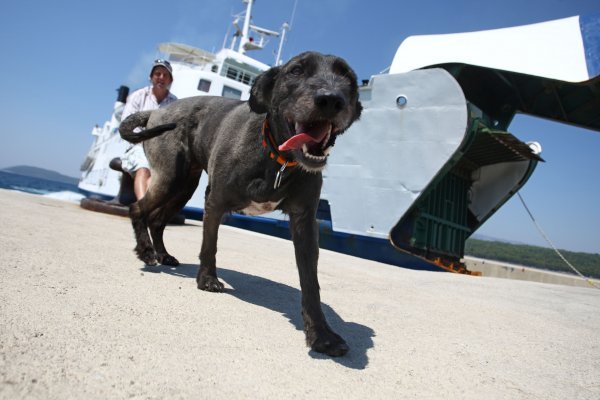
[533, 256]
[494, 239]
[41, 173]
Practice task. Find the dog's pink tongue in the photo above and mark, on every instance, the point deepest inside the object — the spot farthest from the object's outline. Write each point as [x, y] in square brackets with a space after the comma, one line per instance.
[296, 142]
[310, 133]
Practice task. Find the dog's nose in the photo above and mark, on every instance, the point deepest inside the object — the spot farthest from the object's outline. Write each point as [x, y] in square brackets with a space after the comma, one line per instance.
[329, 103]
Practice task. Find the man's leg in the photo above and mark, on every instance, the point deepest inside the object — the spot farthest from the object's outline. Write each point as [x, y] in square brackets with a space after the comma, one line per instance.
[141, 181]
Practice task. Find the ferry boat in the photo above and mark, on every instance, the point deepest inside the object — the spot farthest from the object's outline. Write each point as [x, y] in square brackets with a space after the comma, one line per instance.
[431, 158]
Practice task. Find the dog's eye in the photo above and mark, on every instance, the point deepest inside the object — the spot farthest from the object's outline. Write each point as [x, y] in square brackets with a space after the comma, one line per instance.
[297, 70]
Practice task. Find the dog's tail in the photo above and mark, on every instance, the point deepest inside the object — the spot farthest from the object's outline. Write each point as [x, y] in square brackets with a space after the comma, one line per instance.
[137, 120]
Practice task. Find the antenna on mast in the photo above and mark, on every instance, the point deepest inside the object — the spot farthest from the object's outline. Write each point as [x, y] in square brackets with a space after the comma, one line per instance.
[293, 15]
[285, 27]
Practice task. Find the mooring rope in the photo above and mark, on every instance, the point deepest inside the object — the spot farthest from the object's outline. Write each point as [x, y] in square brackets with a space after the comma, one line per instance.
[539, 228]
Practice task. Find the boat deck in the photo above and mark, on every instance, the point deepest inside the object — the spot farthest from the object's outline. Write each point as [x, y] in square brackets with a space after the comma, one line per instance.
[82, 318]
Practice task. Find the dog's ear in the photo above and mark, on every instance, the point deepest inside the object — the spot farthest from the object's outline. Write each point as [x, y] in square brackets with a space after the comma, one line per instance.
[357, 105]
[341, 67]
[358, 109]
[260, 94]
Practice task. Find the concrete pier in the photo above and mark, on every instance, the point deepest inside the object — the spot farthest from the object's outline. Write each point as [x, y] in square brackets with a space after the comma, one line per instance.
[81, 317]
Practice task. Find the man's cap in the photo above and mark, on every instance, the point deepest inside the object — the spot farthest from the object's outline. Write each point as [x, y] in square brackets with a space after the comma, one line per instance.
[162, 63]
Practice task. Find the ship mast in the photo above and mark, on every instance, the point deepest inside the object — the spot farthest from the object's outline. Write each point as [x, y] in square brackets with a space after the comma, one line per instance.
[249, 43]
[246, 28]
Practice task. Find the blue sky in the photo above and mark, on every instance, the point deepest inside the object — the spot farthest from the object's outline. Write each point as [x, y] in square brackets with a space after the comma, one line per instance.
[64, 59]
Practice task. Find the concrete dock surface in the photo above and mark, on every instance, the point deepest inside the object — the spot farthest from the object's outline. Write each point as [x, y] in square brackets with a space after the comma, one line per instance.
[81, 317]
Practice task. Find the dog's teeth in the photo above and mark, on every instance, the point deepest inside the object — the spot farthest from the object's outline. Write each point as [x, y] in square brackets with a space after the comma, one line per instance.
[326, 151]
[315, 158]
[312, 156]
[326, 141]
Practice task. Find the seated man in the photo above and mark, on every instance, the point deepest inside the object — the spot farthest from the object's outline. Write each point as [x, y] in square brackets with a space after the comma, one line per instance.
[150, 97]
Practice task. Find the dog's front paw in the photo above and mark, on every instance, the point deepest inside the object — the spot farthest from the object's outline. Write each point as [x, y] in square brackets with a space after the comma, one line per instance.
[209, 283]
[328, 342]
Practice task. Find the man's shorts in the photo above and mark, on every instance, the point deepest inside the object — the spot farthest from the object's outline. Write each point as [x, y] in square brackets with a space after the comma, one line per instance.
[134, 159]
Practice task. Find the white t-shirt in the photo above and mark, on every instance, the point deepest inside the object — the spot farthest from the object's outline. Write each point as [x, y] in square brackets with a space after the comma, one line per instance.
[141, 100]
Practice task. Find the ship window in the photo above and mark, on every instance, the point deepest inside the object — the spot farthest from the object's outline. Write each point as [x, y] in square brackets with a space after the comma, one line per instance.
[239, 75]
[204, 85]
[214, 68]
[231, 93]
[232, 73]
[245, 78]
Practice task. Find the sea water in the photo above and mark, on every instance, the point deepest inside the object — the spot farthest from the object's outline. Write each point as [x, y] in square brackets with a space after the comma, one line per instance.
[29, 184]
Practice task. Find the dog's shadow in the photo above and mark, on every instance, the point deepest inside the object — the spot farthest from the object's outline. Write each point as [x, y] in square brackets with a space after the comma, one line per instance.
[286, 300]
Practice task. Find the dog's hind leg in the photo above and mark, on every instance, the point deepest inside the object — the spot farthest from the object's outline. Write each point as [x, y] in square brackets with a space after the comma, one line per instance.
[163, 214]
[139, 220]
[147, 213]
[305, 235]
[157, 228]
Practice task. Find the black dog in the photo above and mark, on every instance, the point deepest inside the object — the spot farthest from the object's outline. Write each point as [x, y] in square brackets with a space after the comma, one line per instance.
[260, 155]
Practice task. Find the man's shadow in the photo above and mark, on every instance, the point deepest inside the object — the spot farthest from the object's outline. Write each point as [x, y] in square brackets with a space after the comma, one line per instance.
[286, 300]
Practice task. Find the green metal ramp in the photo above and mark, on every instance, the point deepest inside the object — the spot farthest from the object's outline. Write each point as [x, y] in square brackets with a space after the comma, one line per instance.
[446, 213]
